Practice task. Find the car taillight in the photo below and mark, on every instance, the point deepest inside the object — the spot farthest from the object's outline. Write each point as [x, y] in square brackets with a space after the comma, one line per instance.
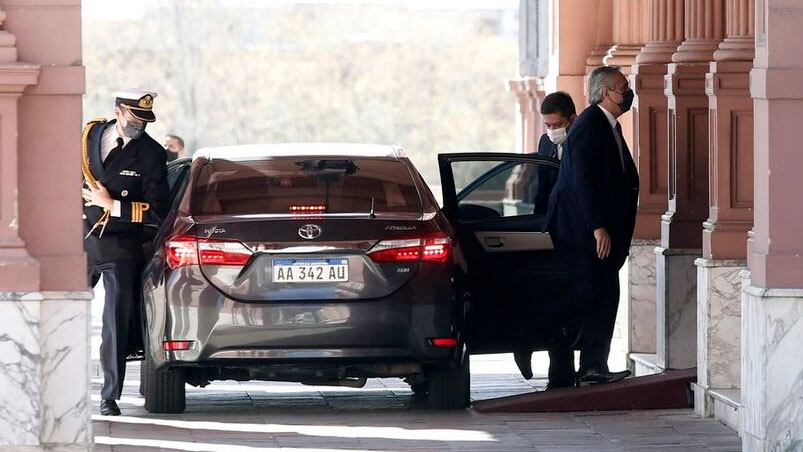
[188, 250]
[180, 251]
[443, 342]
[176, 345]
[436, 247]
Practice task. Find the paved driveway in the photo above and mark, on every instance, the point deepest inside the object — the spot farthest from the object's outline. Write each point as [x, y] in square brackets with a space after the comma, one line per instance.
[385, 415]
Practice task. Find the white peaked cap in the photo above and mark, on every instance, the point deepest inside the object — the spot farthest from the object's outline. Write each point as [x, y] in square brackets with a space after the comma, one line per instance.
[134, 93]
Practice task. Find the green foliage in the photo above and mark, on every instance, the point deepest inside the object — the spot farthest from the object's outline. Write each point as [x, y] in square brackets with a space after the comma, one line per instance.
[429, 80]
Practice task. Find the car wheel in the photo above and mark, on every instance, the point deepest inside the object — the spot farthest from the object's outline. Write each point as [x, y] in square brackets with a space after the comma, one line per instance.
[450, 385]
[164, 389]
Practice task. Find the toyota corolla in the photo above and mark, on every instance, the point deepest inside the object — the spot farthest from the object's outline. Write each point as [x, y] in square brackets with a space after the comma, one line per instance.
[328, 264]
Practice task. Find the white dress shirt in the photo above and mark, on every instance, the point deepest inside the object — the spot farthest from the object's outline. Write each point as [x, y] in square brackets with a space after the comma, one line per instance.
[108, 141]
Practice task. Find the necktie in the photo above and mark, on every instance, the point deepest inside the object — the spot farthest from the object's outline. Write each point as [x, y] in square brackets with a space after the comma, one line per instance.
[620, 141]
[113, 153]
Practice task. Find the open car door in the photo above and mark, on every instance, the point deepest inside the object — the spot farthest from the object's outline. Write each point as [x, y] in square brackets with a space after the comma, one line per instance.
[497, 204]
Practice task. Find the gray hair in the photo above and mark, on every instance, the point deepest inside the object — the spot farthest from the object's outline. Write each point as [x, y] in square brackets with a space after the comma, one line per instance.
[601, 78]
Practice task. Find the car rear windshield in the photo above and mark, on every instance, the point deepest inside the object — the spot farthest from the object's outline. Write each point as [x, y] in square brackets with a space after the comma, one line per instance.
[289, 185]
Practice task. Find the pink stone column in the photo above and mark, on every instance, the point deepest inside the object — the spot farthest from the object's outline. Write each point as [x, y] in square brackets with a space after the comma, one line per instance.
[19, 271]
[731, 137]
[772, 297]
[44, 306]
[688, 124]
[730, 210]
[604, 40]
[687, 191]
[49, 34]
[529, 92]
[630, 32]
[776, 254]
[575, 24]
[650, 114]
[650, 140]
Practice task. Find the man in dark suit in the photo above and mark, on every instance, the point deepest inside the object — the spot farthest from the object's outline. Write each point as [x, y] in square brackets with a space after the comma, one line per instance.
[125, 187]
[558, 113]
[591, 216]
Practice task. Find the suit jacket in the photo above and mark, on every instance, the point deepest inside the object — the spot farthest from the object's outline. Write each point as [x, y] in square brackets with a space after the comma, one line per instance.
[593, 190]
[547, 176]
[137, 177]
[547, 148]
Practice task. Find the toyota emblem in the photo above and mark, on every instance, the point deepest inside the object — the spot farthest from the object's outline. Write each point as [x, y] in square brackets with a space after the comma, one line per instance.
[310, 231]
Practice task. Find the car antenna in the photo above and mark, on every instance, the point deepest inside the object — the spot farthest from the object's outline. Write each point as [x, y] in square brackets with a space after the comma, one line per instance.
[371, 214]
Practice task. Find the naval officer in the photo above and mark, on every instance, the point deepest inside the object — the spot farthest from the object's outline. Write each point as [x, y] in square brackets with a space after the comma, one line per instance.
[125, 186]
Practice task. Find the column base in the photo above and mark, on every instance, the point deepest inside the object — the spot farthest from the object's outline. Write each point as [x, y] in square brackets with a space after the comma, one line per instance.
[641, 287]
[718, 328]
[44, 389]
[18, 270]
[676, 308]
[642, 364]
[772, 368]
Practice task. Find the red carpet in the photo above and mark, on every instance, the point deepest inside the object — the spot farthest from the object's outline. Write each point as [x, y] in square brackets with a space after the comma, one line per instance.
[671, 389]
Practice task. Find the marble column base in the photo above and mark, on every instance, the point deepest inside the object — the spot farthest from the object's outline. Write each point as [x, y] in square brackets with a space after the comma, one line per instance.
[772, 368]
[676, 308]
[44, 370]
[719, 315]
[641, 287]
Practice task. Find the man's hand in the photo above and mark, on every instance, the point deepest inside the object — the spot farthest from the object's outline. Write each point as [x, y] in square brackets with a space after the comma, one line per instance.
[603, 242]
[97, 197]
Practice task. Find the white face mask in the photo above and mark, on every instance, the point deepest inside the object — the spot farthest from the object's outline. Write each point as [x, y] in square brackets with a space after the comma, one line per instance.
[557, 136]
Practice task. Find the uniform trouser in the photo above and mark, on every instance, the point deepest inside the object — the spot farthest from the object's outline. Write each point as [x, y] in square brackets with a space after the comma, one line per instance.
[594, 295]
[120, 311]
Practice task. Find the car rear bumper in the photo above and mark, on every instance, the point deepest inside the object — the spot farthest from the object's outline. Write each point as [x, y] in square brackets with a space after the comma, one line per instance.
[224, 331]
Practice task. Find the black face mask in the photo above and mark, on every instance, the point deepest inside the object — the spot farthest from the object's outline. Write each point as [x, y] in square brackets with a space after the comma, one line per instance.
[627, 100]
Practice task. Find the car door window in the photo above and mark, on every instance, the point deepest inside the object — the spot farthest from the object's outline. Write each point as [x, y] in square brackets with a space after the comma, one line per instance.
[493, 189]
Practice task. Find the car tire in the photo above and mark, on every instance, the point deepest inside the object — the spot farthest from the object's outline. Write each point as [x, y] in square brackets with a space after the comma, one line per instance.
[450, 385]
[164, 389]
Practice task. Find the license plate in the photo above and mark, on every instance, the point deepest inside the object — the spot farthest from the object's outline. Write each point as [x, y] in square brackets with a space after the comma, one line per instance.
[310, 270]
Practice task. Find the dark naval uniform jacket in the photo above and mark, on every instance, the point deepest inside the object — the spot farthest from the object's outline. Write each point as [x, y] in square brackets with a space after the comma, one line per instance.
[137, 177]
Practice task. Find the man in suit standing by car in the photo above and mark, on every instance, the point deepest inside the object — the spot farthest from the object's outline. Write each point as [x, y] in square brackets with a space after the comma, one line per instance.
[558, 113]
[125, 186]
[592, 213]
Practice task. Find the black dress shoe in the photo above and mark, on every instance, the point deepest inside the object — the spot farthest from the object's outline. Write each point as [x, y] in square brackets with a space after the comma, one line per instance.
[109, 408]
[524, 360]
[550, 386]
[596, 376]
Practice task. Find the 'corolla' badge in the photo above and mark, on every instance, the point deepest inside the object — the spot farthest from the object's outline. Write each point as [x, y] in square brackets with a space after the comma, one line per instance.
[310, 231]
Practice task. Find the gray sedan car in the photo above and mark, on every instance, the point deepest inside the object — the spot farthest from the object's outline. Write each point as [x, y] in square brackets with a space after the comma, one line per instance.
[328, 264]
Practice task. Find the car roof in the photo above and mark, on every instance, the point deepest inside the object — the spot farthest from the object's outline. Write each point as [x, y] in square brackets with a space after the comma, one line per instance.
[261, 151]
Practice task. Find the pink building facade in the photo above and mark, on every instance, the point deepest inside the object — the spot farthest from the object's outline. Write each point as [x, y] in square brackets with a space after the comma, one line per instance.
[44, 298]
[716, 274]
